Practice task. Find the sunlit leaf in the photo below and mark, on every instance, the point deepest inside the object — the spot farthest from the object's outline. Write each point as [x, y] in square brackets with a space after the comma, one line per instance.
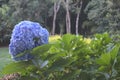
[104, 60]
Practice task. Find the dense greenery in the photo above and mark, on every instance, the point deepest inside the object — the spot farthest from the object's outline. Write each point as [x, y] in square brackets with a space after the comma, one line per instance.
[4, 58]
[72, 57]
[85, 17]
[105, 14]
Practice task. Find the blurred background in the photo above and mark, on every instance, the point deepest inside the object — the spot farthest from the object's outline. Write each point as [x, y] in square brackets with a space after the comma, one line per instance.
[80, 17]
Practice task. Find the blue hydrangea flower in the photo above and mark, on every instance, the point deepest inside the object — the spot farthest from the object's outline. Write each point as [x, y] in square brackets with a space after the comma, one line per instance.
[25, 36]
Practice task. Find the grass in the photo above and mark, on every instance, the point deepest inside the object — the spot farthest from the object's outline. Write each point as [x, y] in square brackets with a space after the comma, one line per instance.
[5, 57]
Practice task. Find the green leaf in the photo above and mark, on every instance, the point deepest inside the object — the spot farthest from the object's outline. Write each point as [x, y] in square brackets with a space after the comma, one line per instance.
[55, 56]
[114, 52]
[39, 63]
[60, 64]
[16, 67]
[41, 49]
[54, 49]
[71, 75]
[104, 60]
[28, 78]
[22, 53]
[106, 38]
[102, 68]
[67, 41]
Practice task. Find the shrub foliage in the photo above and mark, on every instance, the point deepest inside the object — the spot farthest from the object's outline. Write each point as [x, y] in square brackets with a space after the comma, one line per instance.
[71, 58]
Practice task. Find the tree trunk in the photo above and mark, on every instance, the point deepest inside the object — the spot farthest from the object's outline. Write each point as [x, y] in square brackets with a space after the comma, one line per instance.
[56, 8]
[68, 22]
[77, 18]
[54, 19]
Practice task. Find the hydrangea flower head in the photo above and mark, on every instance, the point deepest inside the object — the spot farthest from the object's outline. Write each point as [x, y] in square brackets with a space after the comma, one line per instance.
[25, 36]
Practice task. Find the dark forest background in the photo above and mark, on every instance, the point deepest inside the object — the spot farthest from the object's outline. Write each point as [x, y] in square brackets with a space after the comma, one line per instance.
[80, 17]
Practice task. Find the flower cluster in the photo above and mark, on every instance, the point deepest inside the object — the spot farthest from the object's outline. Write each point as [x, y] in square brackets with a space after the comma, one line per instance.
[25, 36]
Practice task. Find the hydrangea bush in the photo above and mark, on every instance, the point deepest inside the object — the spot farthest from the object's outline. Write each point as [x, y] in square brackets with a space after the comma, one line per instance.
[71, 58]
[25, 36]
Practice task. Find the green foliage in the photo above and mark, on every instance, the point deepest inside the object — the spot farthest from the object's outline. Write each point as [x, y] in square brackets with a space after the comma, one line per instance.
[16, 67]
[70, 58]
[5, 58]
[104, 14]
[4, 33]
[14, 11]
